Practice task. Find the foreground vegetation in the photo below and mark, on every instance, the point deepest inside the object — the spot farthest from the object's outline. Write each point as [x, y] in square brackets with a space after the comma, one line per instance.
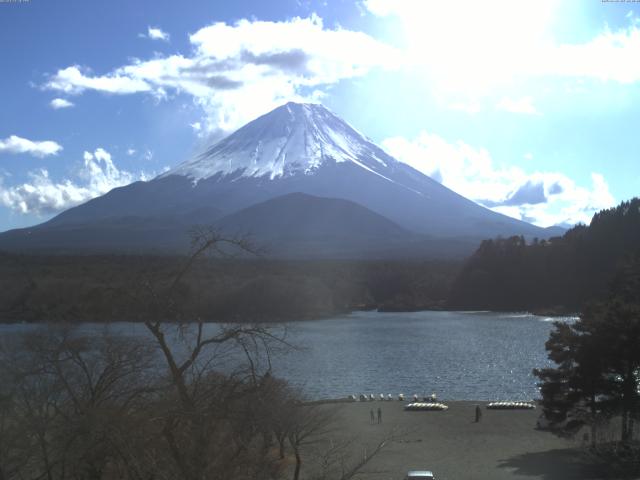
[553, 276]
[109, 287]
[106, 407]
[558, 275]
[197, 401]
[596, 380]
[191, 401]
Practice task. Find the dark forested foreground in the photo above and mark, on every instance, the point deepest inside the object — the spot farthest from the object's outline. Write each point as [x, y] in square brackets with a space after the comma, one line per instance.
[207, 406]
[105, 407]
[548, 276]
[596, 380]
[558, 275]
[116, 287]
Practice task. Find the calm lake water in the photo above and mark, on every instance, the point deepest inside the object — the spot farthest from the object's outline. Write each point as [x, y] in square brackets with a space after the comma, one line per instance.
[459, 356]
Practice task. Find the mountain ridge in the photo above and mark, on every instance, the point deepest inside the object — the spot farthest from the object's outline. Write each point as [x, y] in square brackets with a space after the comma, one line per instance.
[294, 148]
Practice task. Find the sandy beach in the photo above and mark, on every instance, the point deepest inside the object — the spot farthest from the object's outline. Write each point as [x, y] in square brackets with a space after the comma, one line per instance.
[504, 445]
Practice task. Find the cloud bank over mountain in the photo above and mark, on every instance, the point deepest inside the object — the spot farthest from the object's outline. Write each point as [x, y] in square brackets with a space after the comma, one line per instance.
[236, 72]
[42, 195]
[544, 198]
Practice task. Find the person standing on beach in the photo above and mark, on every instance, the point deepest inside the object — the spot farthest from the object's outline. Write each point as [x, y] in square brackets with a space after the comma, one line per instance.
[379, 415]
[372, 416]
[478, 414]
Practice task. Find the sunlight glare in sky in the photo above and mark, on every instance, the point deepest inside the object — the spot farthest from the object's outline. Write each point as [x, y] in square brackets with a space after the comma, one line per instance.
[472, 46]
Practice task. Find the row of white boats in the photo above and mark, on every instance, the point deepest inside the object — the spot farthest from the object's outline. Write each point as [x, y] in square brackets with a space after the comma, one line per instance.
[363, 397]
[429, 402]
[425, 406]
[510, 405]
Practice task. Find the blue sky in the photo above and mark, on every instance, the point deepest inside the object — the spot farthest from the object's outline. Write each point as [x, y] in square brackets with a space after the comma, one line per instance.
[529, 108]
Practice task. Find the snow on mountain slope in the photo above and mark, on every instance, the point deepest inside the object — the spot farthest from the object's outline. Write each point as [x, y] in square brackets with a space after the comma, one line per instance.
[306, 148]
[294, 138]
[294, 149]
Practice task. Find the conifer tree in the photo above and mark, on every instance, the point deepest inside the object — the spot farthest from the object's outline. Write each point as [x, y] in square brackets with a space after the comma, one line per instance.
[597, 372]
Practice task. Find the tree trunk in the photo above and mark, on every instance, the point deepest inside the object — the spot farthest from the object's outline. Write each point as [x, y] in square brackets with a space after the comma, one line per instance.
[594, 420]
[45, 456]
[629, 393]
[296, 473]
[628, 427]
[624, 434]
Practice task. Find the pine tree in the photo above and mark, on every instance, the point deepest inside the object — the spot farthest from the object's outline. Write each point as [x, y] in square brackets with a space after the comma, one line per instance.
[572, 392]
[597, 373]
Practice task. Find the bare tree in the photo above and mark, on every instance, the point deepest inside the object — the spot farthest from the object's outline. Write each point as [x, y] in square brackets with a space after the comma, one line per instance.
[72, 398]
[15, 448]
[195, 401]
[211, 429]
[307, 426]
[333, 461]
[394, 435]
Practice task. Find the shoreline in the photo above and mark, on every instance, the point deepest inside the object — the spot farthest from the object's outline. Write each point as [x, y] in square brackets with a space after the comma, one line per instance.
[376, 401]
[310, 318]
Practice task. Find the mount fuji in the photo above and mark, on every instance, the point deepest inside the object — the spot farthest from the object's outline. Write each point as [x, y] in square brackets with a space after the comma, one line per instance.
[298, 179]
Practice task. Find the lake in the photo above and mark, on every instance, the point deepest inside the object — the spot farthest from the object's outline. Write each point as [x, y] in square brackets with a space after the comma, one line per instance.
[457, 355]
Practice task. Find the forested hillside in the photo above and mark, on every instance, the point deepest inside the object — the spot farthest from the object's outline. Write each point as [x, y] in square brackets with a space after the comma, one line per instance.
[74, 288]
[557, 275]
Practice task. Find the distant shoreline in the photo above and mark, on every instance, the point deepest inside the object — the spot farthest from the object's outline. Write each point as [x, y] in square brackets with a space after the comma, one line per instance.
[327, 316]
[313, 318]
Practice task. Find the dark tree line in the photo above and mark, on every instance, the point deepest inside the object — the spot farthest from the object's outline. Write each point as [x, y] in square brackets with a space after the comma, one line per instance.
[52, 288]
[561, 274]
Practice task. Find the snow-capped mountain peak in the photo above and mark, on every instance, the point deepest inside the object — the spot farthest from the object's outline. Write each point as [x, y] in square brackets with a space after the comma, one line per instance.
[309, 162]
[292, 139]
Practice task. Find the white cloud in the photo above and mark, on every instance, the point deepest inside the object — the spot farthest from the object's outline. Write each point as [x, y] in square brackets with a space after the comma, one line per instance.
[237, 72]
[610, 56]
[71, 80]
[198, 130]
[42, 195]
[155, 33]
[131, 151]
[498, 42]
[58, 103]
[15, 144]
[543, 198]
[521, 105]
[101, 174]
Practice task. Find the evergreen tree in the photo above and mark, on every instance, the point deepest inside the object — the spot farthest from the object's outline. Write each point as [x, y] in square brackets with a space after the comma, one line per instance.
[561, 274]
[571, 392]
[597, 373]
